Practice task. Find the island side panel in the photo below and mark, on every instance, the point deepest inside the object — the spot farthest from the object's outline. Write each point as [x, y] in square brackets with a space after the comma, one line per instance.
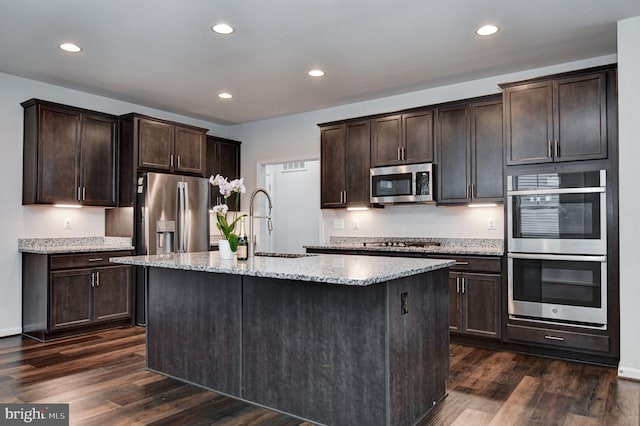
[316, 350]
[418, 344]
[194, 324]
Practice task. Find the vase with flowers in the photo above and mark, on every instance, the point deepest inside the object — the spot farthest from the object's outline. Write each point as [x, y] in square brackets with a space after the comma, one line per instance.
[228, 245]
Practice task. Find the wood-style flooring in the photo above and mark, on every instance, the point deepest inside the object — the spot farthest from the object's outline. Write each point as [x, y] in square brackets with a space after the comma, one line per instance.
[102, 377]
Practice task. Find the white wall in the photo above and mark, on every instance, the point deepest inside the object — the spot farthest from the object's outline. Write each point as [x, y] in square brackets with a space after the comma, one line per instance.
[298, 136]
[41, 221]
[629, 136]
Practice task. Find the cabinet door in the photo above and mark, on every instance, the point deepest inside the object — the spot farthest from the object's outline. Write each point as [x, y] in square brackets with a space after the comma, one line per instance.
[71, 299]
[487, 166]
[417, 129]
[481, 305]
[529, 123]
[386, 134]
[581, 117]
[454, 161]
[332, 166]
[229, 166]
[358, 145]
[112, 293]
[189, 156]
[155, 141]
[455, 308]
[58, 159]
[98, 160]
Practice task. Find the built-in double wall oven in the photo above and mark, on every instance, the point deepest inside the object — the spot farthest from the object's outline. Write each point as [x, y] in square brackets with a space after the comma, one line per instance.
[557, 243]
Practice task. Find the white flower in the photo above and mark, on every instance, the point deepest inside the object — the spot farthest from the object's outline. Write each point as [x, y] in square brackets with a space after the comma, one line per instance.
[237, 185]
[221, 208]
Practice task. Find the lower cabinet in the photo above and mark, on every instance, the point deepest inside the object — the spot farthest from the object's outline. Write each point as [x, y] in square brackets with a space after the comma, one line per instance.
[89, 296]
[66, 294]
[474, 304]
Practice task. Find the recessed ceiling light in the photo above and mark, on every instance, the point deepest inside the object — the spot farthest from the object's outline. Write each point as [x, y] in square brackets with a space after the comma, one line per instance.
[222, 29]
[225, 95]
[70, 47]
[487, 30]
[316, 73]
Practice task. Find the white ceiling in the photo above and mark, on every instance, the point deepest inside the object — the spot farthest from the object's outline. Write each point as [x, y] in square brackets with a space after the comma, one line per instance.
[162, 54]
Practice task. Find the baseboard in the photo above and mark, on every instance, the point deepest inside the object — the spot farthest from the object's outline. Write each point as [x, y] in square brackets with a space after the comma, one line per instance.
[5, 332]
[628, 373]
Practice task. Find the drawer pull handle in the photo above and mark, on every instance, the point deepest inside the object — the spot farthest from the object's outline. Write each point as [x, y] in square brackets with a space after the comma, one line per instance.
[95, 259]
[462, 263]
[557, 339]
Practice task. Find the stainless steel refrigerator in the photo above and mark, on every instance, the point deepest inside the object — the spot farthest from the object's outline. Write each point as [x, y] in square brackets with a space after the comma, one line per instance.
[172, 216]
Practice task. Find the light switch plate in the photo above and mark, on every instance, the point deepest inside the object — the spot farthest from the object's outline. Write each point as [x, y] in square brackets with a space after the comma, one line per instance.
[338, 223]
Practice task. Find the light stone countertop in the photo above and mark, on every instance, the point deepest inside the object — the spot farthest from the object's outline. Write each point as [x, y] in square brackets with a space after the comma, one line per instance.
[73, 245]
[448, 246]
[324, 268]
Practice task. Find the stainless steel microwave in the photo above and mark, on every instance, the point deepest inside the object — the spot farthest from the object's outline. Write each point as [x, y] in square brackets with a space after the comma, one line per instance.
[411, 183]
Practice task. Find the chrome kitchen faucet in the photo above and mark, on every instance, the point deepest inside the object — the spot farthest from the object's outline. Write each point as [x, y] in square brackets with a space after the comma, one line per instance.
[251, 217]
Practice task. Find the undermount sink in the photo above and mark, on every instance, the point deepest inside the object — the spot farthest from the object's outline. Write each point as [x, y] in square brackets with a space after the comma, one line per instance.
[287, 255]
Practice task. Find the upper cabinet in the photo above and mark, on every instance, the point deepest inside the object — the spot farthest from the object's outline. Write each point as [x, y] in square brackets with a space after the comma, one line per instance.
[223, 158]
[469, 151]
[150, 144]
[170, 147]
[402, 139]
[69, 155]
[557, 119]
[344, 164]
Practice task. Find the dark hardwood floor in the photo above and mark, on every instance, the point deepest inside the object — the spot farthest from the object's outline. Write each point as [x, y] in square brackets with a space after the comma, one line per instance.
[102, 377]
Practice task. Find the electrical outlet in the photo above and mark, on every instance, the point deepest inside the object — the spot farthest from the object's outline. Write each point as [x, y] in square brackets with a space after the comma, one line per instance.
[356, 225]
[67, 223]
[491, 223]
[338, 223]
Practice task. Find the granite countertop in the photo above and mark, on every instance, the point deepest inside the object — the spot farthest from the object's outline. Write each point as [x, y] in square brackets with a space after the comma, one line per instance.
[73, 245]
[324, 268]
[447, 246]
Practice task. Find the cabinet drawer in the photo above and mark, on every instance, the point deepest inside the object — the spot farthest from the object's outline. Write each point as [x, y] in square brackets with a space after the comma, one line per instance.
[559, 339]
[475, 264]
[92, 260]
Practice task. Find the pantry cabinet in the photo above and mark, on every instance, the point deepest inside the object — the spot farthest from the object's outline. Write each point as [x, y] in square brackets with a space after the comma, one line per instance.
[66, 294]
[557, 119]
[70, 155]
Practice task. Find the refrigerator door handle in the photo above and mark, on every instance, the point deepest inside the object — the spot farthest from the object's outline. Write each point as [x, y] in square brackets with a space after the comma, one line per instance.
[180, 216]
[185, 217]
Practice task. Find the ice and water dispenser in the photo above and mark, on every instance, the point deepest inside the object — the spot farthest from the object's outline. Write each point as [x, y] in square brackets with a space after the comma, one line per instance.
[165, 236]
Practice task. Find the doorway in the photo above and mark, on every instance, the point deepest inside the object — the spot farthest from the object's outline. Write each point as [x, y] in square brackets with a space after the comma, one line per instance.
[294, 186]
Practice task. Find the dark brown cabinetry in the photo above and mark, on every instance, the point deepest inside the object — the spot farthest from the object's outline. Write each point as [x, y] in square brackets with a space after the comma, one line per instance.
[557, 119]
[475, 296]
[150, 144]
[170, 147]
[69, 155]
[402, 139]
[469, 151]
[344, 164]
[74, 293]
[223, 158]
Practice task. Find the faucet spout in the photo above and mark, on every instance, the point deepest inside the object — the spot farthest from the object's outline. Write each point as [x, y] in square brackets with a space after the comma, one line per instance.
[251, 217]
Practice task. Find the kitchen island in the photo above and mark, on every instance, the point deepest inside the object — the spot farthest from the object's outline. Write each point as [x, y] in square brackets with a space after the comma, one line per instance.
[333, 339]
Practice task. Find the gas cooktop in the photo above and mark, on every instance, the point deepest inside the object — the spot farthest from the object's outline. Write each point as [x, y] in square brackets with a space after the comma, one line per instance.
[418, 244]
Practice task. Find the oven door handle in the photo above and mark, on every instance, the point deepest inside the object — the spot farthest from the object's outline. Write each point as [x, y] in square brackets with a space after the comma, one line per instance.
[570, 258]
[589, 190]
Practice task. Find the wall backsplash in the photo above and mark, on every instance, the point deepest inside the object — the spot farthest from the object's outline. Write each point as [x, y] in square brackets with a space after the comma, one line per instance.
[415, 220]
